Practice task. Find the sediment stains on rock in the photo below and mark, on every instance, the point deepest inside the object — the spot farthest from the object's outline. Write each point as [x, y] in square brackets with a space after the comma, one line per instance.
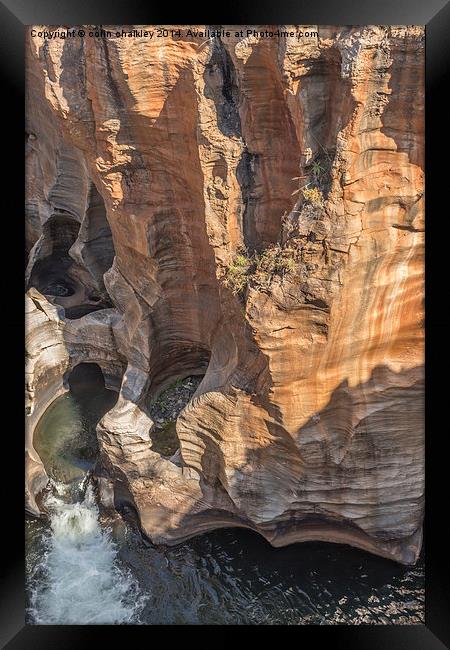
[310, 398]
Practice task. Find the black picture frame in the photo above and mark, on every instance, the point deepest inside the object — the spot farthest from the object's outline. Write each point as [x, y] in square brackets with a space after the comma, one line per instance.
[15, 15]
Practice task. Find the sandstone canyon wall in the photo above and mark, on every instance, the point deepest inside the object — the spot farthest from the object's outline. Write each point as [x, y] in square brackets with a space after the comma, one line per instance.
[150, 165]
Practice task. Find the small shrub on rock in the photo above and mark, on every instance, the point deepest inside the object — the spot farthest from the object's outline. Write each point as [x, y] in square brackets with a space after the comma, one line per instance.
[236, 275]
[314, 196]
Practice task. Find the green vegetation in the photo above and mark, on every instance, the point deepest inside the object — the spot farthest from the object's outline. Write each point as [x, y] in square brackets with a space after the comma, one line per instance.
[160, 402]
[275, 260]
[259, 268]
[176, 384]
[313, 196]
[320, 171]
[236, 276]
[164, 439]
[317, 176]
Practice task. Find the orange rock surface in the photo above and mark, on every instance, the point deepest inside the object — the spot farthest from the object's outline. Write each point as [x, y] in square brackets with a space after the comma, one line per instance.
[308, 423]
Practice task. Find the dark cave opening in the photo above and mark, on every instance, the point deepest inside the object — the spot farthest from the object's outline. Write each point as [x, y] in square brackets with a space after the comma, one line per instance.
[164, 411]
[98, 251]
[51, 272]
[73, 278]
[221, 86]
[171, 390]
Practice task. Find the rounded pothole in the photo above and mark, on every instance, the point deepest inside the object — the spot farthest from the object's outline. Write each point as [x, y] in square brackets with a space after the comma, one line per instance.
[58, 288]
[65, 436]
[164, 411]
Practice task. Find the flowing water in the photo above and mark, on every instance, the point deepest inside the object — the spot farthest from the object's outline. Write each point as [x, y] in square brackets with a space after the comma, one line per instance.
[85, 565]
[77, 578]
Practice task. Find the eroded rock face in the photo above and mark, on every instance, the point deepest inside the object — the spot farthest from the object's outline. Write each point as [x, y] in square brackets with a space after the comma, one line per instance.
[166, 156]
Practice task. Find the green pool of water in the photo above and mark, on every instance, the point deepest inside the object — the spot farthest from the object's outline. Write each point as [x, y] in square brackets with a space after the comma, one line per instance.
[65, 436]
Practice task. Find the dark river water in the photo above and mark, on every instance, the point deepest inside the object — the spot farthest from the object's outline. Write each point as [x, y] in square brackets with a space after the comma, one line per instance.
[85, 566]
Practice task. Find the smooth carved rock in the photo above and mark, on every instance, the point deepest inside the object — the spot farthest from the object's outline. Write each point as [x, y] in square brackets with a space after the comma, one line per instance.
[172, 154]
[54, 346]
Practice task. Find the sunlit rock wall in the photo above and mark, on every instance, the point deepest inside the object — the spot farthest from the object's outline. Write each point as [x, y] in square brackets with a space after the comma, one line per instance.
[169, 155]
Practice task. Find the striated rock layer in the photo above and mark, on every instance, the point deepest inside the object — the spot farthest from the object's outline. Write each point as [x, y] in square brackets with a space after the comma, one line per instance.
[150, 163]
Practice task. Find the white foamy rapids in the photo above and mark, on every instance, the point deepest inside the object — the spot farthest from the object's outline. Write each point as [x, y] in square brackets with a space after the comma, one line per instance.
[81, 580]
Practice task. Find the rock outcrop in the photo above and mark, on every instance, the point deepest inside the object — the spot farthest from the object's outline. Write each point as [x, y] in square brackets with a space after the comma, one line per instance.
[153, 167]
